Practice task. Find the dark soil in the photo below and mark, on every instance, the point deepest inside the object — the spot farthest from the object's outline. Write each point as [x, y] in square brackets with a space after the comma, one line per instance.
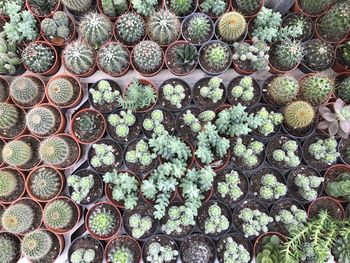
[326, 204]
[144, 210]
[73, 154]
[95, 192]
[206, 103]
[171, 60]
[16, 129]
[134, 130]
[118, 153]
[76, 91]
[269, 108]
[164, 241]
[332, 175]
[187, 35]
[185, 101]
[300, 133]
[20, 184]
[344, 150]
[193, 8]
[5, 90]
[197, 248]
[293, 189]
[87, 242]
[273, 61]
[184, 131]
[309, 29]
[125, 241]
[239, 239]
[234, 101]
[93, 135]
[256, 183]
[204, 64]
[37, 212]
[105, 107]
[55, 250]
[39, 98]
[244, 66]
[34, 145]
[16, 242]
[243, 185]
[168, 122]
[56, 124]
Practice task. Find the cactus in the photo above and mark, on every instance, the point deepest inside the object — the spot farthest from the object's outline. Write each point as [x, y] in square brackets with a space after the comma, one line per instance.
[17, 153]
[58, 214]
[144, 7]
[102, 221]
[343, 90]
[199, 27]
[24, 90]
[18, 218]
[286, 54]
[148, 57]
[282, 89]
[9, 59]
[57, 27]
[45, 183]
[61, 91]
[316, 88]
[8, 116]
[232, 27]
[120, 254]
[114, 7]
[299, 115]
[130, 28]
[181, 7]
[8, 183]
[38, 57]
[312, 7]
[36, 245]
[78, 57]
[41, 120]
[217, 55]
[54, 150]
[61, 18]
[49, 27]
[78, 6]
[113, 58]
[95, 29]
[163, 27]
[8, 248]
[247, 7]
[319, 55]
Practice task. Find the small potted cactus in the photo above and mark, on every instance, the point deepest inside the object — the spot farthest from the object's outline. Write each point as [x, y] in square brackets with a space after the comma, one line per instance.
[11, 64]
[280, 90]
[209, 93]
[342, 89]
[248, 8]
[85, 248]
[146, 8]
[12, 185]
[213, 8]
[234, 246]
[197, 247]
[244, 90]
[88, 126]
[319, 56]
[174, 94]
[130, 29]
[10, 246]
[311, 8]
[181, 8]
[160, 247]
[231, 27]
[197, 29]
[342, 56]
[123, 248]
[299, 19]
[158, 122]
[42, 10]
[113, 9]
[78, 7]
[4, 90]
[12, 121]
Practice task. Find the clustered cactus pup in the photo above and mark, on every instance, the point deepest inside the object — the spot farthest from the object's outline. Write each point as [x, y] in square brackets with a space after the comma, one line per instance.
[234, 246]
[158, 122]
[197, 29]
[12, 121]
[174, 94]
[11, 185]
[248, 153]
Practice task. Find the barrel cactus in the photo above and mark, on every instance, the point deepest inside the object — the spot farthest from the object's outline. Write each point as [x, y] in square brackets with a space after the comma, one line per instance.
[247, 7]
[130, 28]
[8, 116]
[232, 27]
[299, 115]
[95, 29]
[316, 88]
[36, 245]
[343, 90]
[147, 57]
[312, 7]
[8, 183]
[163, 27]
[61, 91]
[282, 89]
[38, 57]
[58, 214]
[319, 55]
[78, 57]
[45, 183]
[199, 28]
[286, 55]
[216, 55]
[18, 218]
[17, 153]
[54, 150]
[41, 120]
[25, 91]
[113, 58]
[78, 6]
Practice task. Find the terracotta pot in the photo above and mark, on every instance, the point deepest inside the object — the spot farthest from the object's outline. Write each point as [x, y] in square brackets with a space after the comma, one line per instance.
[275, 70]
[145, 74]
[338, 66]
[86, 74]
[38, 161]
[297, 8]
[324, 200]
[78, 154]
[112, 18]
[23, 178]
[134, 244]
[318, 35]
[329, 177]
[259, 240]
[57, 7]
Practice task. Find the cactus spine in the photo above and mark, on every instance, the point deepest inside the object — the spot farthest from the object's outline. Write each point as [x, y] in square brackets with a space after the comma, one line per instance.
[38, 57]
[299, 115]
[78, 57]
[247, 7]
[319, 55]
[17, 153]
[148, 56]
[8, 183]
[283, 89]
[79, 6]
[41, 120]
[312, 7]
[232, 26]
[113, 58]
[8, 248]
[18, 218]
[130, 28]
[58, 214]
[36, 245]
[287, 54]
[54, 150]
[45, 183]
[61, 91]
[343, 90]
[316, 88]
[8, 116]
[24, 90]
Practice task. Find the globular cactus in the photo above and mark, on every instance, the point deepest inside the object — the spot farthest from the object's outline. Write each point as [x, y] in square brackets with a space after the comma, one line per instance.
[287, 54]
[247, 7]
[61, 91]
[8, 248]
[181, 7]
[319, 55]
[216, 55]
[148, 57]
[58, 214]
[79, 6]
[78, 57]
[36, 245]
[163, 27]
[316, 89]
[17, 153]
[130, 28]
[312, 7]
[199, 27]
[18, 218]
[25, 90]
[49, 27]
[113, 58]
[38, 57]
[41, 120]
[95, 29]
[8, 116]
[282, 89]
[299, 115]
[54, 150]
[9, 59]
[232, 27]
[61, 18]
[45, 183]
[8, 183]
[58, 26]
[144, 7]
[343, 90]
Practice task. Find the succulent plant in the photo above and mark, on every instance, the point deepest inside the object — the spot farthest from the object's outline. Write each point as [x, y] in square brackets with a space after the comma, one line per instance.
[54, 150]
[41, 120]
[345, 53]
[57, 27]
[141, 155]
[248, 154]
[102, 221]
[45, 183]
[178, 217]
[254, 222]
[282, 89]
[36, 245]
[86, 124]
[244, 90]
[120, 254]
[113, 58]
[174, 94]
[232, 27]
[140, 225]
[3, 5]
[235, 251]
[186, 57]
[292, 218]
[271, 250]
[9, 248]
[216, 222]
[130, 28]
[25, 90]
[316, 89]
[61, 91]
[8, 183]
[58, 214]
[247, 8]
[307, 186]
[199, 28]
[9, 58]
[95, 29]
[286, 55]
[18, 218]
[343, 89]
[154, 124]
[81, 186]
[104, 93]
[17, 153]
[299, 115]
[161, 253]
[319, 55]
[195, 123]
[122, 122]
[268, 121]
[163, 27]
[314, 7]
[340, 187]
[104, 155]
[324, 151]
[230, 187]
[217, 55]
[147, 57]
[216, 7]
[114, 7]
[8, 116]
[181, 7]
[78, 6]
[341, 244]
[78, 57]
[82, 255]
[286, 154]
[144, 7]
[43, 8]
[212, 91]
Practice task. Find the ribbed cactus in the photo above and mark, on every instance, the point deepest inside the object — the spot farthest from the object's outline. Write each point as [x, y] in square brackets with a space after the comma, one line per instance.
[286, 54]
[8, 183]
[95, 29]
[61, 91]
[232, 26]
[38, 57]
[8, 116]
[216, 55]
[163, 27]
[61, 18]
[54, 150]
[299, 114]
[312, 7]
[79, 6]
[18, 218]
[247, 7]
[45, 183]
[343, 90]
[282, 89]
[148, 57]
[199, 27]
[316, 88]
[113, 58]
[319, 55]
[130, 28]
[78, 57]
[58, 214]
[36, 245]
[17, 153]
[24, 90]
[8, 248]
[41, 120]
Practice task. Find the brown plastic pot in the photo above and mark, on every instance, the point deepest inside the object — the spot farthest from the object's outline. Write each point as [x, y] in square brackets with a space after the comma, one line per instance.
[328, 176]
[112, 18]
[86, 74]
[259, 240]
[135, 247]
[340, 213]
[55, 9]
[146, 74]
[22, 192]
[338, 66]
[297, 8]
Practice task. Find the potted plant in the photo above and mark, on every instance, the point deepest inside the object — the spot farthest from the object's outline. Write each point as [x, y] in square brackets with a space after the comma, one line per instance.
[85, 248]
[12, 121]
[209, 92]
[181, 58]
[4, 90]
[12, 65]
[146, 8]
[42, 10]
[231, 27]
[197, 29]
[318, 56]
[197, 247]
[113, 9]
[44, 183]
[268, 120]
[327, 205]
[268, 247]
[3, 11]
[213, 8]
[104, 95]
[243, 90]
[250, 9]
[234, 246]
[78, 8]
[160, 247]
[306, 22]
[342, 56]
[11, 247]
[12, 182]
[123, 248]
[336, 182]
[344, 150]
[174, 94]
[157, 122]
[88, 126]
[181, 9]
[280, 90]
[311, 8]
[2, 144]
[85, 187]
[105, 156]
[103, 221]
[342, 87]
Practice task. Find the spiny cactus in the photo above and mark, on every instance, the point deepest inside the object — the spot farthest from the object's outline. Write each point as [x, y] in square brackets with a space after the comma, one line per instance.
[319, 55]
[199, 28]
[130, 28]
[113, 58]
[24, 90]
[61, 91]
[8, 183]
[148, 57]
[18, 218]
[232, 27]
[163, 27]
[102, 221]
[181, 7]
[58, 214]
[45, 183]
[8, 248]
[144, 7]
[316, 88]
[41, 120]
[38, 57]
[36, 245]
[8, 116]
[299, 115]
[17, 153]
[9, 59]
[61, 18]
[283, 89]
[216, 55]
[286, 54]
[78, 57]
[312, 7]
[56, 27]
[95, 29]
[79, 6]
[54, 150]
[247, 7]
[343, 90]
